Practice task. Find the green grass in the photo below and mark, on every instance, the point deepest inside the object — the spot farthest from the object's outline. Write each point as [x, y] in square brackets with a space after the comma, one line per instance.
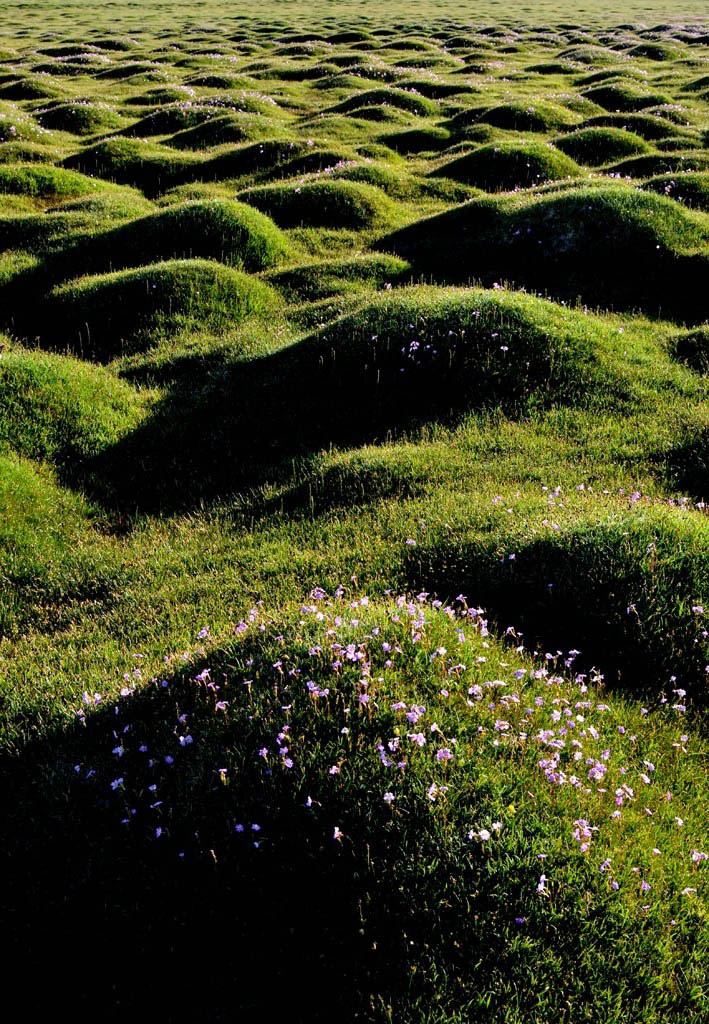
[597, 146]
[354, 356]
[331, 204]
[509, 165]
[62, 410]
[231, 232]
[80, 118]
[644, 250]
[48, 559]
[533, 117]
[624, 96]
[150, 168]
[692, 348]
[101, 315]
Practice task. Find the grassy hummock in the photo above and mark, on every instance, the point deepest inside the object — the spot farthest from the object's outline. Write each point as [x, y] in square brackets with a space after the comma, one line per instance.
[609, 245]
[101, 315]
[502, 167]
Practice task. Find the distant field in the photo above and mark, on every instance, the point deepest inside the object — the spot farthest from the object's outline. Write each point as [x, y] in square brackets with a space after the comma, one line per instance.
[354, 550]
[23, 15]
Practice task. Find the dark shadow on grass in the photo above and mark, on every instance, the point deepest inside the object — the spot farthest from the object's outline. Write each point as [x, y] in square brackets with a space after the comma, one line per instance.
[686, 466]
[610, 247]
[197, 923]
[115, 914]
[620, 592]
[204, 922]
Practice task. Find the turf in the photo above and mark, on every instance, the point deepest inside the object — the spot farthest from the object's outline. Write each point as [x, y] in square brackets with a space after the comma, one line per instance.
[354, 656]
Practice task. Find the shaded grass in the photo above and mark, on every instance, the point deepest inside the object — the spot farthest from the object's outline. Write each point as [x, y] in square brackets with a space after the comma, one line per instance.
[610, 246]
[623, 589]
[49, 559]
[221, 818]
[596, 146]
[228, 231]
[417, 356]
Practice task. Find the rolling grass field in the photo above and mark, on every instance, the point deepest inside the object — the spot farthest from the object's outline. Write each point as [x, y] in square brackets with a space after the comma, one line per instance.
[354, 549]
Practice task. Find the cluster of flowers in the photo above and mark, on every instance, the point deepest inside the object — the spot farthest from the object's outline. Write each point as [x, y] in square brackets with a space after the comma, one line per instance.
[342, 670]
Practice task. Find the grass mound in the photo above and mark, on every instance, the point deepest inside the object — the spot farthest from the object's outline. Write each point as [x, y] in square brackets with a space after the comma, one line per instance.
[382, 114]
[26, 152]
[45, 182]
[596, 146]
[656, 163]
[150, 168]
[539, 116]
[221, 82]
[16, 126]
[80, 118]
[163, 94]
[417, 140]
[331, 277]
[410, 102]
[256, 157]
[231, 232]
[169, 119]
[692, 189]
[49, 555]
[220, 131]
[41, 235]
[29, 89]
[624, 96]
[611, 74]
[119, 204]
[334, 204]
[406, 766]
[313, 161]
[116, 44]
[501, 167]
[59, 409]
[610, 245]
[647, 126]
[64, 229]
[390, 180]
[145, 71]
[102, 316]
[654, 51]
[412, 356]
[553, 67]
[591, 55]
[429, 349]
[697, 85]
[628, 590]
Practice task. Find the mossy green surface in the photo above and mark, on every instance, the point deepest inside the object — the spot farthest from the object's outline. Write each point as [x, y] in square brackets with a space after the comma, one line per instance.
[502, 167]
[332, 204]
[353, 527]
[61, 410]
[98, 316]
[611, 245]
[597, 146]
[232, 232]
